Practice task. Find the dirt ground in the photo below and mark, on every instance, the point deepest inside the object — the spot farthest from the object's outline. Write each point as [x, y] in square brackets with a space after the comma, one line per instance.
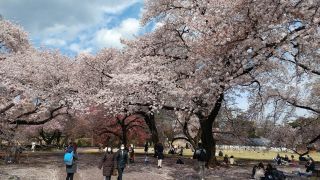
[51, 167]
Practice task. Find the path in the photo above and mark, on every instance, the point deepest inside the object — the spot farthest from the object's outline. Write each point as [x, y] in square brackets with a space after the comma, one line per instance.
[51, 167]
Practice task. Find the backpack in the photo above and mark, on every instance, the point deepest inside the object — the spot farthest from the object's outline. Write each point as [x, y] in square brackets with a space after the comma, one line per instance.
[68, 157]
[201, 154]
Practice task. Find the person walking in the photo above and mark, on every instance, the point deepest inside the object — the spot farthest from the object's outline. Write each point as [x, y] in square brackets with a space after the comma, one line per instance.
[71, 169]
[107, 164]
[160, 154]
[201, 155]
[131, 153]
[122, 160]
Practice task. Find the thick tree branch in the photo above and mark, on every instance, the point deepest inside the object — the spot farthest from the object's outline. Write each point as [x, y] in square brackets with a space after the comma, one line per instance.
[6, 108]
[51, 116]
[294, 103]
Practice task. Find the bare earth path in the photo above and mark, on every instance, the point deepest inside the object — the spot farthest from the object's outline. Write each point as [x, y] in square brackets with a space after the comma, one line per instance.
[51, 167]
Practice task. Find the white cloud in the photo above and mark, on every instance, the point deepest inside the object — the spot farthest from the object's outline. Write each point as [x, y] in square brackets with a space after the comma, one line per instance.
[43, 18]
[129, 27]
[111, 37]
[54, 42]
[78, 49]
[39, 14]
[69, 24]
[108, 38]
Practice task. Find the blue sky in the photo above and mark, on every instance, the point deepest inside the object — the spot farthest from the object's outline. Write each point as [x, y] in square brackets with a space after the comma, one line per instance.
[76, 26]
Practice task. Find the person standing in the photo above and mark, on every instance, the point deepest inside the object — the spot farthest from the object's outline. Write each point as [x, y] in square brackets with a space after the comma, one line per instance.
[146, 148]
[33, 146]
[107, 164]
[122, 160]
[17, 152]
[181, 151]
[160, 154]
[201, 155]
[131, 153]
[231, 160]
[71, 169]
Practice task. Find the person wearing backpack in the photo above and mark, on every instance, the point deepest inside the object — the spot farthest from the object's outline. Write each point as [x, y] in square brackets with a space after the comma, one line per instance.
[107, 164]
[122, 160]
[201, 155]
[70, 159]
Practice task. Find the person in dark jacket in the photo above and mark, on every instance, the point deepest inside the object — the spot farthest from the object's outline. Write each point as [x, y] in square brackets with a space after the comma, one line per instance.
[122, 160]
[160, 155]
[310, 167]
[272, 173]
[201, 155]
[71, 169]
[146, 148]
[107, 163]
[155, 150]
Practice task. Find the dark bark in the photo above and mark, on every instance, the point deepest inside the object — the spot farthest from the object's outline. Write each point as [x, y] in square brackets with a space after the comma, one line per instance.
[207, 139]
[314, 140]
[53, 113]
[151, 123]
[49, 137]
[123, 137]
[6, 108]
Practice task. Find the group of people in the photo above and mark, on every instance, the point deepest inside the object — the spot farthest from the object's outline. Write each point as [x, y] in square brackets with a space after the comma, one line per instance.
[176, 150]
[284, 160]
[115, 163]
[112, 163]
[228, 160]
[268, 173]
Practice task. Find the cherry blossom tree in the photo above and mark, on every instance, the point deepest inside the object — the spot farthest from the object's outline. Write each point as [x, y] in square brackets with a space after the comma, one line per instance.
[203, 49]
[197, 57]
[34, 83]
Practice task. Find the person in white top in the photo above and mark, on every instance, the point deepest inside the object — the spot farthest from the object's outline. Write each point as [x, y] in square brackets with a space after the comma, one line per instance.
[33, 146]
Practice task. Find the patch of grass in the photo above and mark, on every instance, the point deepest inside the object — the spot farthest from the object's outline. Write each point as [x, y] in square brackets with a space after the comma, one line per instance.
[258, 155]
[265, 155]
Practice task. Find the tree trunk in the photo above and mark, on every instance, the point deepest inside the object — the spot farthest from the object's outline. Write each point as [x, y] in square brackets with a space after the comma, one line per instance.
[208, 141]
[151, 123]
[124, 134]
